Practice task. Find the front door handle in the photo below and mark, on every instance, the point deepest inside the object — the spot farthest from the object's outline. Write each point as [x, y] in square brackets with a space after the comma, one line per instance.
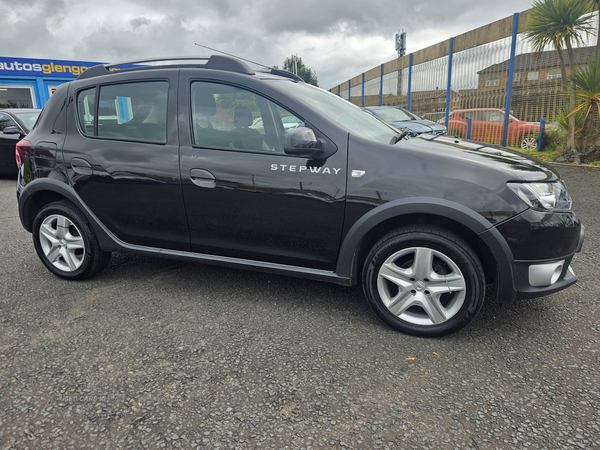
[203, 178]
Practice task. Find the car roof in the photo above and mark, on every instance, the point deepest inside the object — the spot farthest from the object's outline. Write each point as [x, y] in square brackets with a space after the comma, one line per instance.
[214, 62]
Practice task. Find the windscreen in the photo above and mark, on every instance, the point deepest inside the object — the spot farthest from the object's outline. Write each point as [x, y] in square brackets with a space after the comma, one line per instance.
[27, 118]
[394, 114]
[349, 116]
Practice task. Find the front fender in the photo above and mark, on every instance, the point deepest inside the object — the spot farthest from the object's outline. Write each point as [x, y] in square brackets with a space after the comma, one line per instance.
[484, 230]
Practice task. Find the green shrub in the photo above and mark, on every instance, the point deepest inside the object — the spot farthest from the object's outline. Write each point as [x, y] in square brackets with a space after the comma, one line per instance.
[554, 140]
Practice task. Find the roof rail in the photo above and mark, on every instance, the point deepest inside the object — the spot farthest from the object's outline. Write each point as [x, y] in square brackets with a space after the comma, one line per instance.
[215, 62]
[285, 73]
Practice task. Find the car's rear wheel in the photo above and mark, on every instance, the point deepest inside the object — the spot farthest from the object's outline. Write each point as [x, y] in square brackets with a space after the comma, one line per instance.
[66, 243]
[528, 141]
[424, 280]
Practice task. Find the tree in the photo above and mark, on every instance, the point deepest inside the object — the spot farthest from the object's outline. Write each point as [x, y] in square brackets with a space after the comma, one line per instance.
[295, 65]
[596, 5]
[562, 25]
[587, 86]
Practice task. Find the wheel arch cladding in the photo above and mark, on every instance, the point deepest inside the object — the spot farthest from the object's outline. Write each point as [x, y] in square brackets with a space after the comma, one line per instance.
[35, 203]
[486, 241]
[43, 191]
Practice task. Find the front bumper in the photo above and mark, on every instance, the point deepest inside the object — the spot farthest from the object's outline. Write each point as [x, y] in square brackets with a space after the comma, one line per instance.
[540, 249]
[538, 278]
[529, 284]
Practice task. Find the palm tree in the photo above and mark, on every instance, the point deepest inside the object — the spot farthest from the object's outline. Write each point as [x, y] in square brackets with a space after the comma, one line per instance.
[561, 24]
[596, 6]
[587, 86]
[562, 119]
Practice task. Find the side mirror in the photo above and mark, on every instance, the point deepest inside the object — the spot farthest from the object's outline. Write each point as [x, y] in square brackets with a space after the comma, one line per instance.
[302, 142]
[14, 131]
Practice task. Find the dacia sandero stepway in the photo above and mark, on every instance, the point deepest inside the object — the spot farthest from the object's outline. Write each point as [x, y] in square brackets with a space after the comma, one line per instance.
[168, 159]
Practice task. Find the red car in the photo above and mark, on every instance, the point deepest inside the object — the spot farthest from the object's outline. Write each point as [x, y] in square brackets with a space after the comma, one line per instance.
[488, 126]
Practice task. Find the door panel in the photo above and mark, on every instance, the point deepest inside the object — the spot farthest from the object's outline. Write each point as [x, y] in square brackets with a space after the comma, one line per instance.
[262, 204]
[129, 178]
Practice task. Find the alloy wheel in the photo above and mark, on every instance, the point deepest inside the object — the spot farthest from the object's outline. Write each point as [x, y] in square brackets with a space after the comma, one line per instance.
[421, 286]
[62, 243]
[529, 143]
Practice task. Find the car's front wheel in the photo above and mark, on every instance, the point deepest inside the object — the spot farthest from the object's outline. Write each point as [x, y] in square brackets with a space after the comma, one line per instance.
[66, 243]
[424, 280]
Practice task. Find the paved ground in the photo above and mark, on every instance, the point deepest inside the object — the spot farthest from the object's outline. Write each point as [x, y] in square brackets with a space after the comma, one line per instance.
[166, 354]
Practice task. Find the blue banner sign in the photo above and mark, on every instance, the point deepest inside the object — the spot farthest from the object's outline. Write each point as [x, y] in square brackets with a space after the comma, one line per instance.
[43, 67]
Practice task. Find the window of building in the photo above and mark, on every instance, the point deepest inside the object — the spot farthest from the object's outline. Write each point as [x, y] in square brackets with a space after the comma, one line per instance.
[229, 117]
[492, 80]
[517, 77]
[130, 111]
[533, 75]
[554, 74]
[16, 97]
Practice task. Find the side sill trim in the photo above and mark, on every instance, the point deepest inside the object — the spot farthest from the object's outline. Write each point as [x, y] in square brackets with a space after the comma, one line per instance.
[238, 263]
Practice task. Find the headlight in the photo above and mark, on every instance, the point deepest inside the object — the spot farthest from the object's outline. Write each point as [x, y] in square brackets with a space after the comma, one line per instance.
[543, 196]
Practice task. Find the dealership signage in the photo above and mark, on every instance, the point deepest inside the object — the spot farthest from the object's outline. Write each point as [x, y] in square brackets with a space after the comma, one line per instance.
[43, 67]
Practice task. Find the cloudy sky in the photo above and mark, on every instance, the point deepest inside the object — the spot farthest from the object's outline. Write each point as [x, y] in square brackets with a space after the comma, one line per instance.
[338, 39]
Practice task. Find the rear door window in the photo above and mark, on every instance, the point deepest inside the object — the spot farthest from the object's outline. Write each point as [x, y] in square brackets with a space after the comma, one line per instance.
[86, 101]
[128, 111]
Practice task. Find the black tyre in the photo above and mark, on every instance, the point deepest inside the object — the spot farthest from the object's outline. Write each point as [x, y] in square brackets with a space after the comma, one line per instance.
[66, 243]
[424, 280]
[528, 141]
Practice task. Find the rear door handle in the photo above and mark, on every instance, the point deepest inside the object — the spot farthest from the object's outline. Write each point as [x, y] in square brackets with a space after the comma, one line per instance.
[203, 178]
[81, 166]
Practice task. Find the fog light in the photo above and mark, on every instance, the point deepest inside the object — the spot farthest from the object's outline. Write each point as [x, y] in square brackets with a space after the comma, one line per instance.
[545, 274]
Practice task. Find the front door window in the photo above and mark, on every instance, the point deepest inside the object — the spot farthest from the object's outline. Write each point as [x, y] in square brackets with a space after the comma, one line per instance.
[229, 117]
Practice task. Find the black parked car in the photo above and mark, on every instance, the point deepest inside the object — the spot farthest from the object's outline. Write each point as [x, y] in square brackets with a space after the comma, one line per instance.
[14, 125]
[162, 160]
[404, 119]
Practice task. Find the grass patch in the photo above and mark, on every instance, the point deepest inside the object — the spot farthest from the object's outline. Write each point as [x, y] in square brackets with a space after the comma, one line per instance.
[544, 155]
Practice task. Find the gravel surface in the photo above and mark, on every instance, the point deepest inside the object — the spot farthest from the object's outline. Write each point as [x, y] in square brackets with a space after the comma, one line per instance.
[162, 354]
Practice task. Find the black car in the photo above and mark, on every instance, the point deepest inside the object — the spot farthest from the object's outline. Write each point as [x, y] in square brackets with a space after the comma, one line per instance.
[163, 161]
[15, 123]
[404, 119]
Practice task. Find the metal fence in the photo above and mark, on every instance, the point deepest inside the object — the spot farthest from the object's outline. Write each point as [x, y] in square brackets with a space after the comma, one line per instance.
[478, 76]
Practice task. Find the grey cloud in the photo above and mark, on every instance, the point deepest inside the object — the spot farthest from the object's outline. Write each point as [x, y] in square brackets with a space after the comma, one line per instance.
[140, 21]
[260, 30]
